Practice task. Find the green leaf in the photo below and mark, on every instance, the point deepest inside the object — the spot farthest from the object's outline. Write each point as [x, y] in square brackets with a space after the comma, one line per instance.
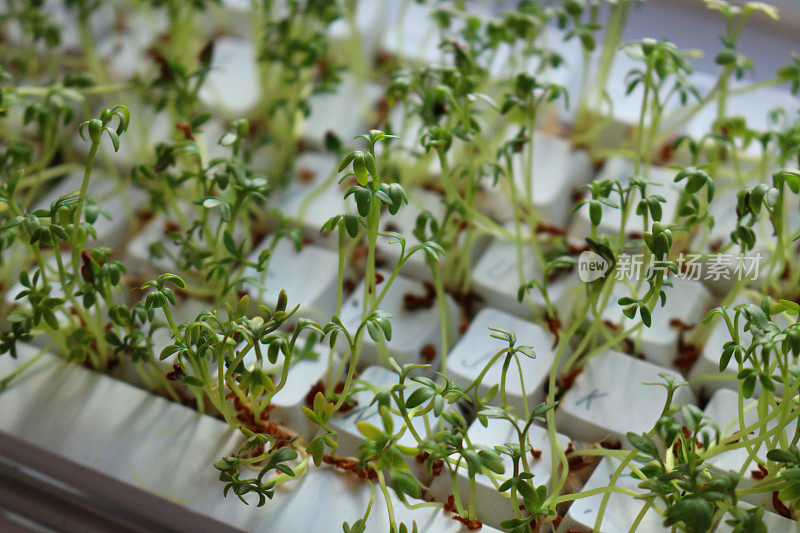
[644, 443]
[404, 482]
[369, 431]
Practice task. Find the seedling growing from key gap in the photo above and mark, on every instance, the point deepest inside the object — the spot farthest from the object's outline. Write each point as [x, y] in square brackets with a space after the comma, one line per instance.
[233, 358]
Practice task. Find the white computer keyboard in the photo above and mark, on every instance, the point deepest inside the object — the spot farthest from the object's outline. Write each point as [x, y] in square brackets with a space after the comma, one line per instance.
[135, 410]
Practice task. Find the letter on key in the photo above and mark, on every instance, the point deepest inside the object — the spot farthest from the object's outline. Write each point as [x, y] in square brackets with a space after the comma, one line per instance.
[474, 351]
[609, 398]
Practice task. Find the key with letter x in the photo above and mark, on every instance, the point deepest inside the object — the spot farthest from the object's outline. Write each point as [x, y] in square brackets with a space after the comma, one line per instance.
[610, 397]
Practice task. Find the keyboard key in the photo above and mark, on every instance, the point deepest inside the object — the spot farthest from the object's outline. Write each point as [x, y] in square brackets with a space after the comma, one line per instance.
[476, 348]
[496, 278]
[314, 196]
[414, 35]
[772, 521]
[619, 169]
[754, 106]
[705, 374]
[140, 259]
[416, 325]
[404, 223]
[345, 112]
[621, 510]
[557, 170]
[723, 410]
[308, 276]
[346, 423]
[232, 83]
[118, 202]
[686, 305]
[590, 410]
[492, 506]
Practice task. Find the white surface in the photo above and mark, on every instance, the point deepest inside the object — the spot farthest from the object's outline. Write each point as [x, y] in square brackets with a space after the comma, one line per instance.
[496, 277]
[308, 276]
[312, 202]
[686, 301]
[723, 410]
[492, 506]
[591, 408]
[621, 511]
[557, 170]
[411, 330]
[232, 84]
[476, 348]
[619, 169]
[115, 441]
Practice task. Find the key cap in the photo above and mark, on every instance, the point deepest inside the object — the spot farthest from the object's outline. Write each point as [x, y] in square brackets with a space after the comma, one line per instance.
[723, 410]
[404, 223]
[232, 83]
[476, 348]
[492, 506]
[754, 106]
[687, 302]
[496, 279]
[153, 251]
[617, 168]
[309, 366]
[590, 410]
[621, 510]
[416, 330]
[314, 196]
[413, 35]
[705, 374]
[308, 276]
[152, 237]
[557, 170]
[772, 521]
[721, 270]
[119, 203]
[344, 112]
[346, 423]
[124, 49]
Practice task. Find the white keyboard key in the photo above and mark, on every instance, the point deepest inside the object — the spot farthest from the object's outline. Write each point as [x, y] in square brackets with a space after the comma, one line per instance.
[773, 522]
[592, 409]
[152, 237]
[404, 223]
[345, 112]
[416, 331]
[705, 374]
[720, 271]
[308, 276]
[496, 278]
[346, 423]
[557, 170]
[661, 183]
[621, 510]
[232, 84]
[754, 106]
[618, 110]
[146, 129]
[314, 196]
[493, 506]
[687, 301]
[476, 348]
[120, 203]
[124, 50]
[414, 35]
[723, 410]
[305, 372]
